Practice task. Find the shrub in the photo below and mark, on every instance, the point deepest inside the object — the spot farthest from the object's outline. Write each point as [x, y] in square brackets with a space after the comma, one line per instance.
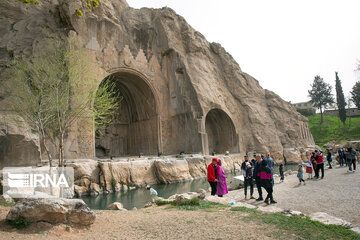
[19, 223]
[113, 182]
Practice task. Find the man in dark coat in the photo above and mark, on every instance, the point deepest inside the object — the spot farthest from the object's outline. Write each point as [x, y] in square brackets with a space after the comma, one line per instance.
[265, 175]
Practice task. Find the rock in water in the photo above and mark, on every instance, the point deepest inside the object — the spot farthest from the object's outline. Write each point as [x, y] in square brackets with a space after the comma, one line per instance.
[116, 206]
[67, 211]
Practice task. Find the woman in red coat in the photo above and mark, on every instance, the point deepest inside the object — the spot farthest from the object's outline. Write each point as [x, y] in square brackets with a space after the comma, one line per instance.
[212, 175]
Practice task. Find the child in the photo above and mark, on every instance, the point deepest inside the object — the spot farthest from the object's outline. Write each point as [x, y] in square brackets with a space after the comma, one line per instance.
[281, 171]
[153, 193]
[300, 174]
[309, 169]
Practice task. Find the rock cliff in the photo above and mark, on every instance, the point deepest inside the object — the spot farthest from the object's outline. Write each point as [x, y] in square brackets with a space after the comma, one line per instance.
[182, 93]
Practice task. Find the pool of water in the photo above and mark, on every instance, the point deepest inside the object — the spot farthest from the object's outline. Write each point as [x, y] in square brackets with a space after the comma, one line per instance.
[139, 197]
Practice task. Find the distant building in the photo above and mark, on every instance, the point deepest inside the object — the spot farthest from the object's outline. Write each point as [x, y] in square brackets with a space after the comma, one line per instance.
[305, 108]
[351, 112]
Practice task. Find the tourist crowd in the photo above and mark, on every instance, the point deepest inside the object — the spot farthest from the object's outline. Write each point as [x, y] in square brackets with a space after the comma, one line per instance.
[259, 171]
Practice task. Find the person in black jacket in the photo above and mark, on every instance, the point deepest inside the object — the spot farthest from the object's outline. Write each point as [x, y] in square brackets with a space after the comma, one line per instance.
[265, 176]
[257, 178]
[328, 158]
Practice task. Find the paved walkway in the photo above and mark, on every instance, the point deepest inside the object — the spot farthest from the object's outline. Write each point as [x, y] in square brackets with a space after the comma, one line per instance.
[338, 194]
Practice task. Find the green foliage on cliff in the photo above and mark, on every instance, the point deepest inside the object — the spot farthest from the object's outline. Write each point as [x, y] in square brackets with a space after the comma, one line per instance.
[333, 129]
[90, 5]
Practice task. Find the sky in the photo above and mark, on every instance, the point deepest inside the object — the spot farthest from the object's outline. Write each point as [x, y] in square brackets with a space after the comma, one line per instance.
[282, 43]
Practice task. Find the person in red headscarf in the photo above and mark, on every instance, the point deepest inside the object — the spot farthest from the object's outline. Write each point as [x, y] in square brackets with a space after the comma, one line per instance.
[212, 175]
[221, 187]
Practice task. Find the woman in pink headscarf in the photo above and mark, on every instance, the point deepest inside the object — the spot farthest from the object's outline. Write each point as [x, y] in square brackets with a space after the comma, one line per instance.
[221, 188]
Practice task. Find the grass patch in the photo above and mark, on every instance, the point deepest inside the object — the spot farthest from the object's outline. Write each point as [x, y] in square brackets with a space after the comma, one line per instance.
[199, 205]
[301, 227]
[243, 209]
[6, 204]
[164, 202]
[332, 129]
[191, 202]
[19, 223]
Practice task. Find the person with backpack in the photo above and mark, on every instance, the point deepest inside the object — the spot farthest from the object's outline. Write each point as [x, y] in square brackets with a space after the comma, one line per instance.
[265, 175]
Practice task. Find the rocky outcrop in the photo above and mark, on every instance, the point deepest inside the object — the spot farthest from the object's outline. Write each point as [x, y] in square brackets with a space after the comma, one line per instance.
[67, 211]
[94, 177]
[18, 145]
[183, 93]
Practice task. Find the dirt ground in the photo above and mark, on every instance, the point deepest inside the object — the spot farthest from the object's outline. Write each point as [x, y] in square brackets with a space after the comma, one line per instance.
[149, 223]
[337, 194]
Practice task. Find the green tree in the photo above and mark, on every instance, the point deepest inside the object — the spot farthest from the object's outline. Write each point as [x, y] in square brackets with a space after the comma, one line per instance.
[340, 99]
[355, 94]
[320, 94]
[57, 88]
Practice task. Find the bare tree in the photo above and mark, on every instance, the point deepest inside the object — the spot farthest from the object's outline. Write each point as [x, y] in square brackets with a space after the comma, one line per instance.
[58, 87]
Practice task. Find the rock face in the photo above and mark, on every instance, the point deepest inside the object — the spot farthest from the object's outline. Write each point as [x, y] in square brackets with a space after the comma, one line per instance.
[68, 211]
[93, 177]
[18, 145]
[181, 93]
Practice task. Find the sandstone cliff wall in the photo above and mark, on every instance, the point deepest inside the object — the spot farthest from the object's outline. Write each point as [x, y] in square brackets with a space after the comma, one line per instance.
[187, 78]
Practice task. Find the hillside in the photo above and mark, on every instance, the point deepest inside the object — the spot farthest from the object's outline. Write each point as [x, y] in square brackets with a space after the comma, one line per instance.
[333, 129]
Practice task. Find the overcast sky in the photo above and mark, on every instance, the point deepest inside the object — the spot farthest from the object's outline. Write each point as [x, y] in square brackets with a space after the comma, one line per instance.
[282, 43]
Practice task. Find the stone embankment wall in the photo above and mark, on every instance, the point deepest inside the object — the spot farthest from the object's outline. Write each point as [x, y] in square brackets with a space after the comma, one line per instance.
[94, 177]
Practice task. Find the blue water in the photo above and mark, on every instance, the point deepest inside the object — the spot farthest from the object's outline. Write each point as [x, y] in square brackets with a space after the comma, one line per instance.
[139, 197]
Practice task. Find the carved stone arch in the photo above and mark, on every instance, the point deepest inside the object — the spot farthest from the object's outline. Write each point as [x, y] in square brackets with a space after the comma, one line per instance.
[136, 128]
[221, 132]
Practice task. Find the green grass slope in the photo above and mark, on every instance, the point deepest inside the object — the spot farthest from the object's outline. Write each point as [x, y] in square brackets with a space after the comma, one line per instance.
[333, 129]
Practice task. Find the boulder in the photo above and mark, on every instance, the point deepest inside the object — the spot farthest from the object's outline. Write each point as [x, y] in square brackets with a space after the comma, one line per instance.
[328, 219]
[172, 170]
[116, 206]
[80, 190]
[6, 198]
[201, 193]
[54, 211]
[185, 196]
